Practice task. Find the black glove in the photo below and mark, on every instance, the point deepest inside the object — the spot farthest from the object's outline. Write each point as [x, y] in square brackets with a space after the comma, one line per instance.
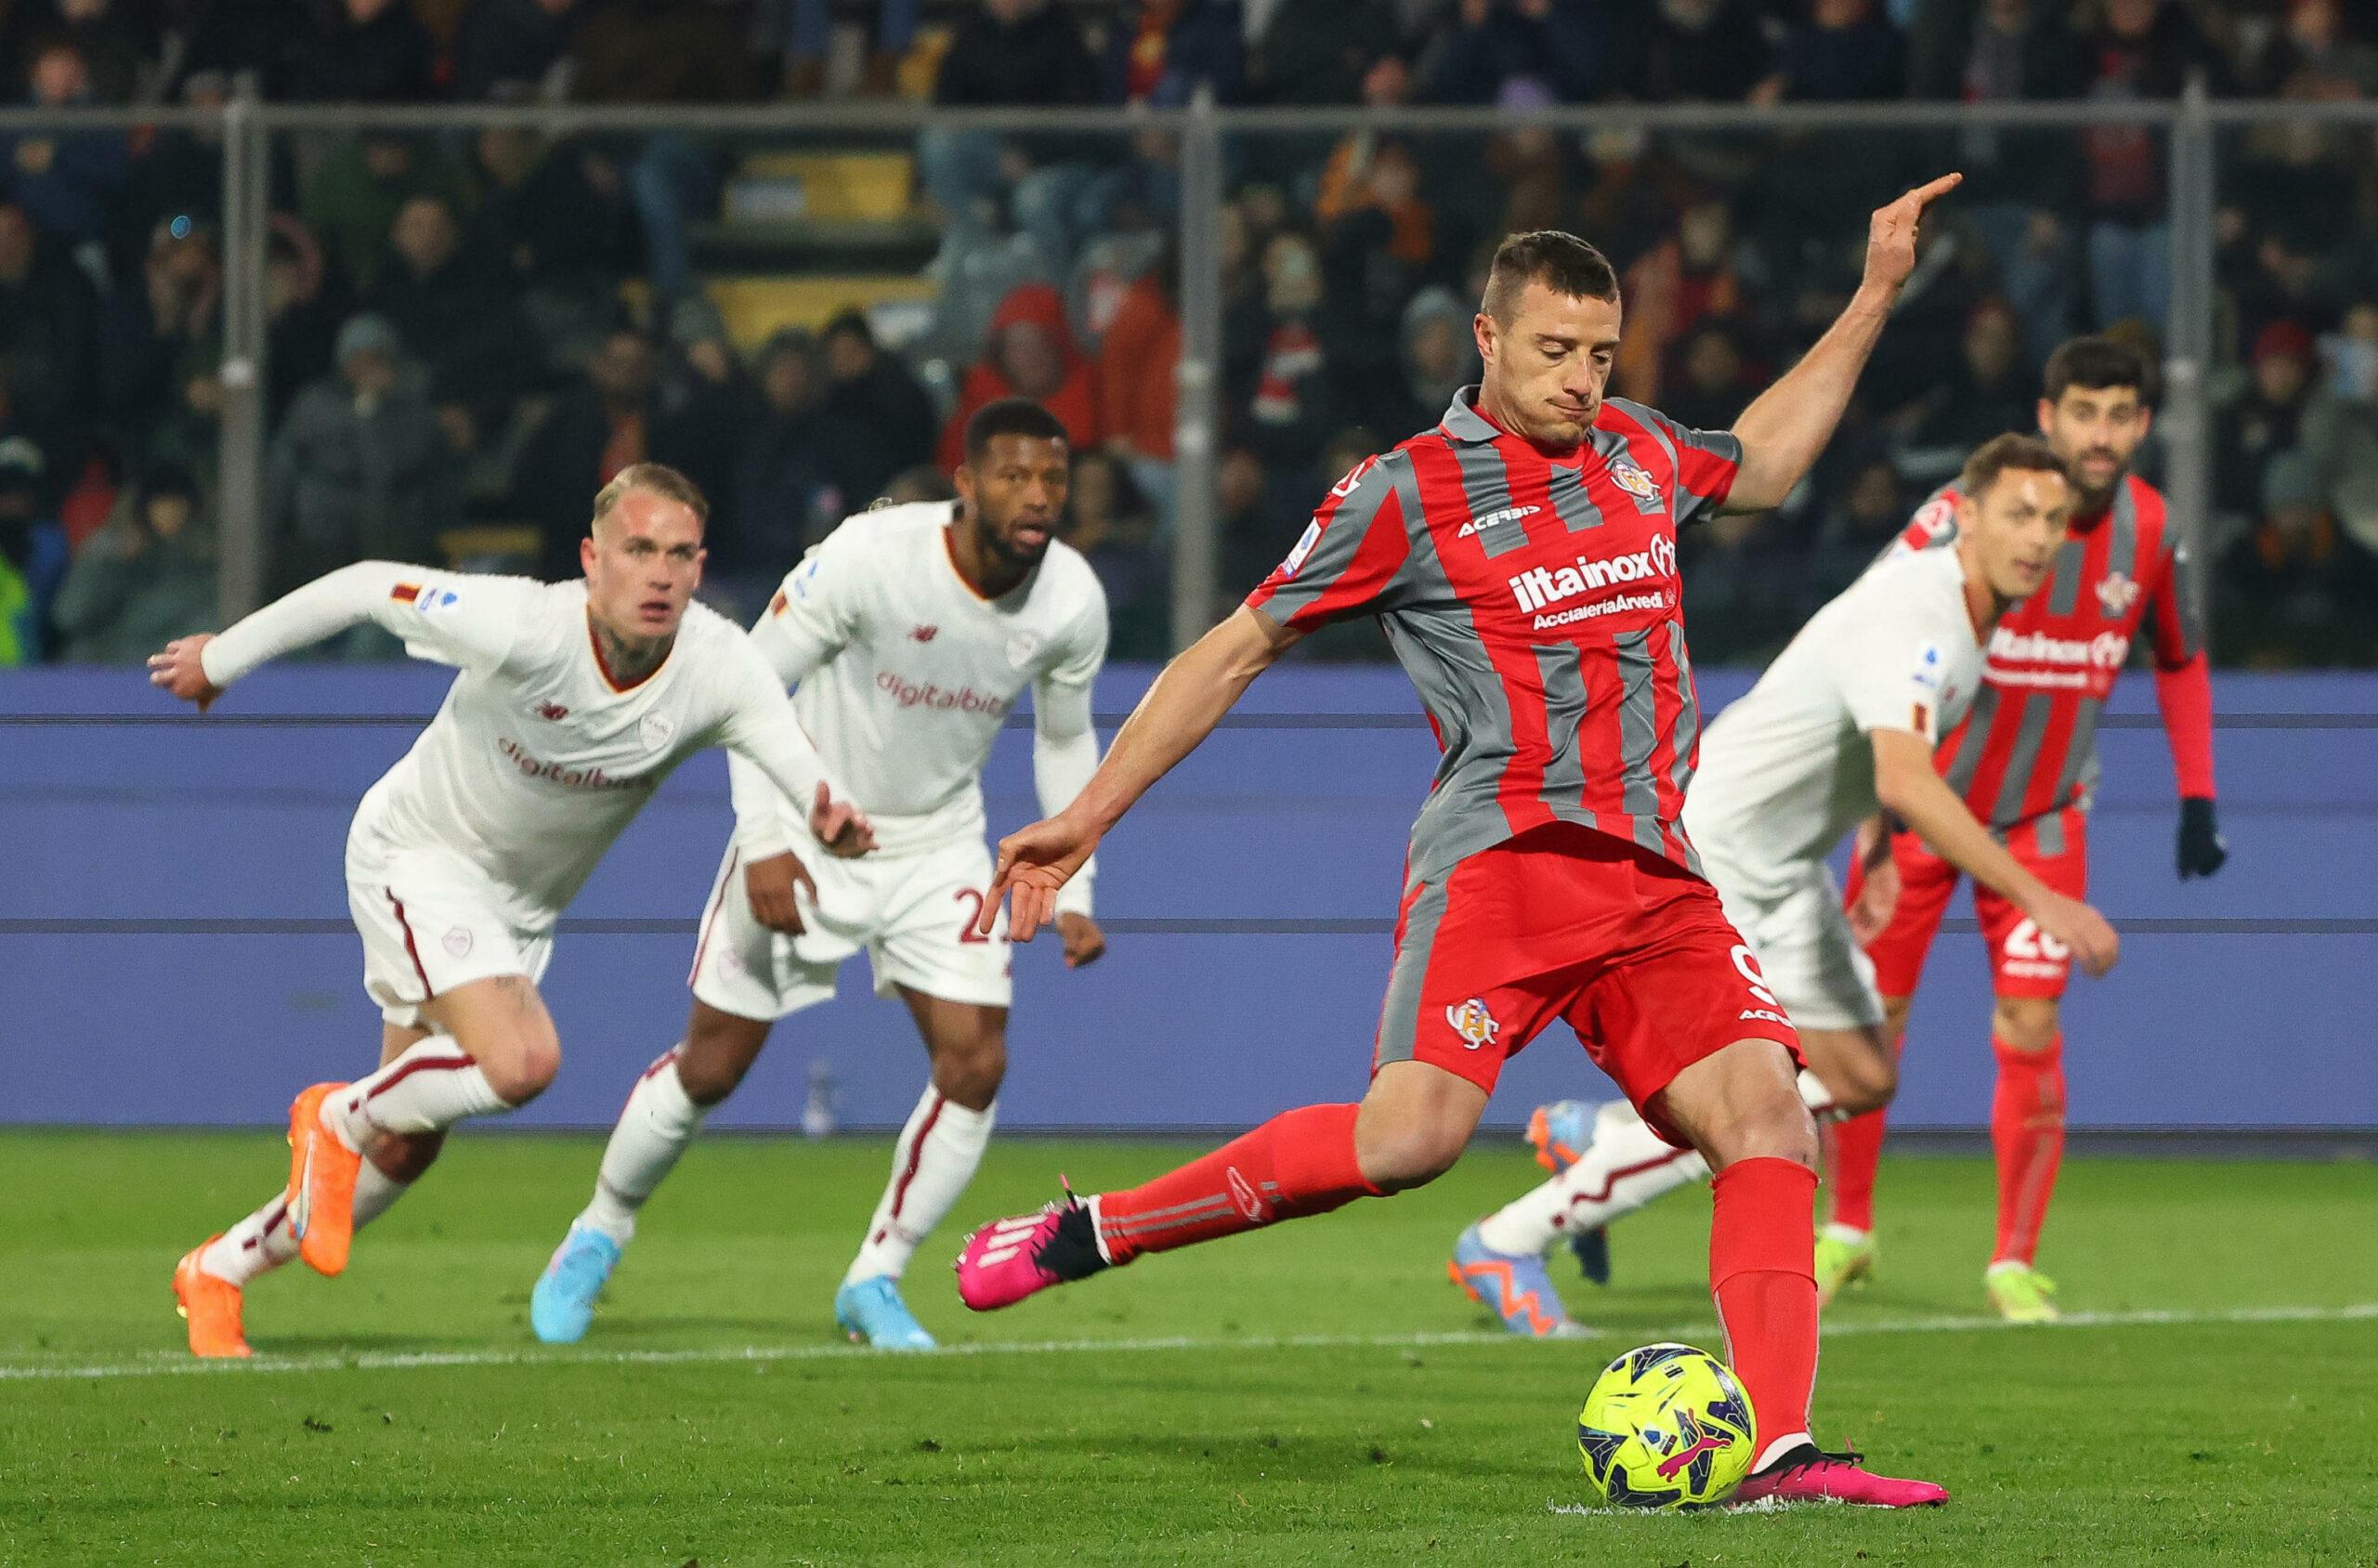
[2202, 849]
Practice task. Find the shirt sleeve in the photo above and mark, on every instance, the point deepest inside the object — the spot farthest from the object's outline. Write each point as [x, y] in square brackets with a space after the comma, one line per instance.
[1890, 666]
[451, 618]
[1706, 462]
[816, 610]
[1933, 526]
[2183, 683]
[1065, 743]
[766, 749]
[1352, 557]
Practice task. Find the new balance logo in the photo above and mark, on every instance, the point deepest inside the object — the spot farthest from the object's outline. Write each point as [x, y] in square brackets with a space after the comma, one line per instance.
[924, 634]
[551, 711]
[1495, 519]
[1541, 586]
[1007, 1239]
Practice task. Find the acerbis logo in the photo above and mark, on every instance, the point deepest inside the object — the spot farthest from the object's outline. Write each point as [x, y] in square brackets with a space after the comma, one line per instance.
[1496, 520]
[1541, 587]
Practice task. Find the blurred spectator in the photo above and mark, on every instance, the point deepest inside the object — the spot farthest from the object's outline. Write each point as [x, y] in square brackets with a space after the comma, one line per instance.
[1317, 52]
[1255, 533]
[1139, 363]
[2140, 49]
[64, 179]
[1740, 589]
[882, 420]
[2341, 428]
[554, 217]
[1111, 524]
[1690, 277]
[797, 31]
[509, 51]
[2295, 590]
[144, 579]
[1867, 514]
[48, 335]
[1992, 389]
[1689, 51]
[165, 347]
[116, 38]
[1030, 354]
[1711, 383]
[1159, 52]
[364, 51]
[1485, 45]
[2019, 184]
[1534, 167]
[358, 471]
[782, 480]
[461, 312]
[232, 37]
[2315, 56]
[607, 420]
[706, 401]
[1008, 53]
[33, 554]
[1845, 51]
[1439, 356]
[2298, 197]
[2265, 422]
[301, 315]
[1290, 407]
[352, 200]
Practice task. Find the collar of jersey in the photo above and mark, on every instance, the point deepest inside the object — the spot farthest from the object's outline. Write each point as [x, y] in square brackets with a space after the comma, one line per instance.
[1465, 423]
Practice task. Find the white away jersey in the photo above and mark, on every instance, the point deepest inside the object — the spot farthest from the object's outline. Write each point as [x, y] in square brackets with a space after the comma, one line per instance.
[1788, 769]
[536, 761]
[904, 674]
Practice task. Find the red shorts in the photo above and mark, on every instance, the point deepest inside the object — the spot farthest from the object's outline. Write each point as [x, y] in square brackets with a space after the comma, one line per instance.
[2023, 960]
[1632, 950]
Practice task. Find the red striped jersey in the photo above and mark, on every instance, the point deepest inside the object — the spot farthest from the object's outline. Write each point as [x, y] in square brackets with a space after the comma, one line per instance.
[2029, 748]
[1534, 603]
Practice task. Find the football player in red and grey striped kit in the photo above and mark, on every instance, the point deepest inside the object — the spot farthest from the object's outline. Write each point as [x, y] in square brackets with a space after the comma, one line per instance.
[1521, 557]
[2026, 762]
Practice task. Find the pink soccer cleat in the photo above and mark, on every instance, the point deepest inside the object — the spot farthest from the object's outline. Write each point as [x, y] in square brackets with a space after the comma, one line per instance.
[1809, 1475]
[1008, 1259]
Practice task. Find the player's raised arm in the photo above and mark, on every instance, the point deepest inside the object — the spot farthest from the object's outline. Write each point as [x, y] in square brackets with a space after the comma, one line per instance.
[804, 626]
[464, 621]
[762, 731]
[1789, 423]
[1187, 700]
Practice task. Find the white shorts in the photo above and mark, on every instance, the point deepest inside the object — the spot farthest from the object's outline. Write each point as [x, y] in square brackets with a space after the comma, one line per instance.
[1801, 934]
[914, 914]
[431, 922]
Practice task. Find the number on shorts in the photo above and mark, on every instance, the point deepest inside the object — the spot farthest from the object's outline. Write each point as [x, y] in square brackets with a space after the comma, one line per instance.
[1747, 963]
[2028, 941]
[968, 932]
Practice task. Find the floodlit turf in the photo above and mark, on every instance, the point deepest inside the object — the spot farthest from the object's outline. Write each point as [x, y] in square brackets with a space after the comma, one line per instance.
[711, 1416]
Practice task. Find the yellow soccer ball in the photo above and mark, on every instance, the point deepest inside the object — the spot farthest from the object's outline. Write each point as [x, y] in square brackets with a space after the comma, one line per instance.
[1667, 1427]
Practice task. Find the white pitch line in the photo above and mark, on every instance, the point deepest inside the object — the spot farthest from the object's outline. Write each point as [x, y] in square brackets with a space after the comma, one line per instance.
[166, 1365]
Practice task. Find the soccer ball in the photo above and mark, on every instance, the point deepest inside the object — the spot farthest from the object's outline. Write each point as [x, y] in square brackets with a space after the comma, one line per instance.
[1667, 1427]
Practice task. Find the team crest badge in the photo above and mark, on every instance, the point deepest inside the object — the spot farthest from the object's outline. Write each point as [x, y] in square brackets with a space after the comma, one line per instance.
[1473, 1023]
[2116, 594]
[1022, 647]
[656, 730]
[1629, 476]
[457, 942]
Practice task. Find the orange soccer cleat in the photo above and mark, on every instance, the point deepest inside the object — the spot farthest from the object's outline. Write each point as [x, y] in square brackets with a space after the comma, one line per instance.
[210, 1305]
[321, 1183]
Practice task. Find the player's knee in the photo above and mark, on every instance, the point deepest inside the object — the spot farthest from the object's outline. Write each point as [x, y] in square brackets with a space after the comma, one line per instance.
[1407, 1154]
[1864, 1083]
[2030, 1025]
[524, 1069]
[971, 1071]
[1776, 1127]
[708, 1076]
[403, 1157]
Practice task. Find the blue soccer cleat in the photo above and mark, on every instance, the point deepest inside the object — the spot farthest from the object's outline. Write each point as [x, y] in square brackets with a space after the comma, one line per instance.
[872, 1312]
[563, 1303]
[1562, 1133]
[1517, 1287]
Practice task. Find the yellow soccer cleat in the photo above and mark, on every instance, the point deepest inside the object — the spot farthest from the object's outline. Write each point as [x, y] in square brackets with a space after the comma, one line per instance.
[1843, 1256]
[211, 1306]
[2021, 1293]
[321, 1183]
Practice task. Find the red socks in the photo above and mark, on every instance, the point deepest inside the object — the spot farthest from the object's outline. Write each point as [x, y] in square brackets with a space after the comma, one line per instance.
[2027, 1130]
[1853, 1149]
[1300, 1162]
[1762, 1270]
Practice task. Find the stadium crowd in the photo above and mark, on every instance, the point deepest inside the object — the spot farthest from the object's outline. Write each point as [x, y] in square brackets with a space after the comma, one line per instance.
[469, 332]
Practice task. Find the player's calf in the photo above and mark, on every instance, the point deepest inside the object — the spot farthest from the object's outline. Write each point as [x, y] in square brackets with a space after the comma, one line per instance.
[718, 1050]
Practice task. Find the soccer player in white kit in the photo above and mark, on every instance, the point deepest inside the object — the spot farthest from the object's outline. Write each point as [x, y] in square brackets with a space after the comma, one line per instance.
[908, 636]
[1840, 730]
[574, 701]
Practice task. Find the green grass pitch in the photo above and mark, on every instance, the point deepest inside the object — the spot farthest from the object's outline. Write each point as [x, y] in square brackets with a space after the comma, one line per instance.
[1318, 1393]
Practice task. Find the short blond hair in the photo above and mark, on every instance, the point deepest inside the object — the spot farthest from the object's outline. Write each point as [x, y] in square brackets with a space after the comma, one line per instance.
[656, 477]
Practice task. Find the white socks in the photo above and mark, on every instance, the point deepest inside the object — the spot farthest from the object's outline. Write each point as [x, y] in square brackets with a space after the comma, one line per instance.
[428, 1089]
[658, 1122]
[261, 1243]
[931, 1164]
[1627, 1165]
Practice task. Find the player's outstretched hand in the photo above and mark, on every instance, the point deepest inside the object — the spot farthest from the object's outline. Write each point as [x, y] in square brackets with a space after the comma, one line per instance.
[2095, 946]
[1084, 944]
[1891, 234]
[1033, 864]
[178, 671]
[840, 826]
[770, 885]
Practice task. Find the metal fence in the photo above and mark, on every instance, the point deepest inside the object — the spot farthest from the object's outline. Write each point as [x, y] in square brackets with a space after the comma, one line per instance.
[1210, 141]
